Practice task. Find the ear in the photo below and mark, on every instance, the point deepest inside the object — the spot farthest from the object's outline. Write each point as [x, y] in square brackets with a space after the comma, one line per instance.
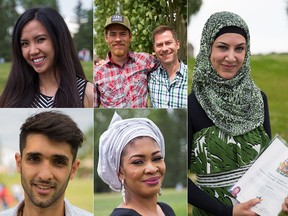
[18, 162]
[120, 174]
[178, 44]
[74, 168]
[130, 37]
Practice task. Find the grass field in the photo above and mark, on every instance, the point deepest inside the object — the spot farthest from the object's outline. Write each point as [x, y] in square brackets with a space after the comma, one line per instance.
[6, 67]
[79, 191]
[269, 72]
[106, 202]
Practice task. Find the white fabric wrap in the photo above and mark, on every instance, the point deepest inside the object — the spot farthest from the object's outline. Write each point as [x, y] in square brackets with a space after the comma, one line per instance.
[115, 138]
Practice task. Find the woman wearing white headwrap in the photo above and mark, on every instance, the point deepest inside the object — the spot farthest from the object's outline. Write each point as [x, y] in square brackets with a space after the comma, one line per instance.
[131, 160]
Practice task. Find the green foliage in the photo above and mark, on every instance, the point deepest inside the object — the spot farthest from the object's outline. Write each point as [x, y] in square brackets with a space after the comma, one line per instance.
[84, 37]
[144, 16]
[7, 18]
[104, 203]
[193, 7]
[26, 4]
[174, 135]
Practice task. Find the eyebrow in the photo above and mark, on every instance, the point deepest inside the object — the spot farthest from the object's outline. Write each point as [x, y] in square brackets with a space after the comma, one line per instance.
[62, 157]
[143, 156]
[240, 44]
[37, 36]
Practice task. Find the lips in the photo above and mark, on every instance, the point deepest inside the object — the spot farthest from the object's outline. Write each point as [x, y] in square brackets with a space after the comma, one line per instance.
[228, 67]
[43, 189]
[152, 181]
[37, 61]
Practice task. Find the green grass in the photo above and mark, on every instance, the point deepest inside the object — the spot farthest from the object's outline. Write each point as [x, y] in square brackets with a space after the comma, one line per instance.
[79, 191]
[6, 67]
[269, 72]
[106, 202]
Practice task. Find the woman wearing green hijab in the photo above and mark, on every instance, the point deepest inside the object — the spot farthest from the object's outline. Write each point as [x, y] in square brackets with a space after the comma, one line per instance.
[228, 114]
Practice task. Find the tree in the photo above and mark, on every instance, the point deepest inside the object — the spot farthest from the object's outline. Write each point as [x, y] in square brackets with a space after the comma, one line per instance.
[144, 16]
[7, 18]
[26, 4]
[84, 37]
[193, 7]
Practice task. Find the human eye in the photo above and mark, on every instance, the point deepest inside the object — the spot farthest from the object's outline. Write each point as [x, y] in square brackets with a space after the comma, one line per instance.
[168, 43]
[60, 162]
[23, 43]
[158, 158]
[33, 158]
[41, 40]
[137, 162]
[159, 45]
[222, 47]
[240, 49]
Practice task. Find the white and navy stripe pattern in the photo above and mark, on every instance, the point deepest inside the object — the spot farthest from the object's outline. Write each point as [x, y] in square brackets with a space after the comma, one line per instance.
[43, 101]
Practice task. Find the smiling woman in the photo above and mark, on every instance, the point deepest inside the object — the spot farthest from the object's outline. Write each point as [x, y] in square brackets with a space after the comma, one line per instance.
[131, 160]
[46, 71]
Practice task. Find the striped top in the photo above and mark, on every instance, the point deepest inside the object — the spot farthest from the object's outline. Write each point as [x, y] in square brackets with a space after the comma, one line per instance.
[44, 101]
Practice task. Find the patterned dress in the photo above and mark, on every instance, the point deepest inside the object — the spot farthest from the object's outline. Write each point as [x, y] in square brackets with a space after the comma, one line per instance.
[219, 159]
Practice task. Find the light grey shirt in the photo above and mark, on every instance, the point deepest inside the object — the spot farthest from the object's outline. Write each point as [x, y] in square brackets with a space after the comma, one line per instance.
[70, 210]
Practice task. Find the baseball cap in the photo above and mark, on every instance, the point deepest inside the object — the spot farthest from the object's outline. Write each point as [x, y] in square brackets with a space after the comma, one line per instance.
[118, 19]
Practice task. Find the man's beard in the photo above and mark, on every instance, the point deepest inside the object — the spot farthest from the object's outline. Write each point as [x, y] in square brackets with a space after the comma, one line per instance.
[118, 53]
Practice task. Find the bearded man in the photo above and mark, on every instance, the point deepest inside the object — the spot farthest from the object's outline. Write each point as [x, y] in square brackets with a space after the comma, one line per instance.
[121, 81]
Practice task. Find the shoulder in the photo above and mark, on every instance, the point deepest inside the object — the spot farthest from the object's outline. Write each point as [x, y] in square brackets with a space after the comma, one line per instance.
[263, 96]
[71, 210]
[89, 95]
[9, 212]
[138, 56]
[167, 210]
[12, 211]
[124, 212]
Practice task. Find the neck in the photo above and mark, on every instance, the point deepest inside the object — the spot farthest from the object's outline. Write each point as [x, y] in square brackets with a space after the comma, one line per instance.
[144, 206]
[171, 69]
[48, 84]
[56, 209]
[120, 60]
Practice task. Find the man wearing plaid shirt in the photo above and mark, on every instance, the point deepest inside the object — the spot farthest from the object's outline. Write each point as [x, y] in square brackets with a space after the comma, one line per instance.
[121, 82]
[168, 83]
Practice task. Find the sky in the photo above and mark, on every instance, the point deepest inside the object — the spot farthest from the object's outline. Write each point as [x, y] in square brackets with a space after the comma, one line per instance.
[267, 22]
[12, 119]
[67, 11]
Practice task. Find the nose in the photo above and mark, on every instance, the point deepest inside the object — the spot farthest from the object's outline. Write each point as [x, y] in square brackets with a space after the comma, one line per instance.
[230, 57]
[45, 172]
[33, 49]
[151, 168]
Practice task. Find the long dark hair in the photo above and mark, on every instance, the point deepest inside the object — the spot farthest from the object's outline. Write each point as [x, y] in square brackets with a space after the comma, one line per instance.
[23, 81]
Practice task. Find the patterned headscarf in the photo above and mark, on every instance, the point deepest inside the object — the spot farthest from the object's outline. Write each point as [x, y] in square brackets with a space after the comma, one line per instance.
[115, 138]
[235, 105]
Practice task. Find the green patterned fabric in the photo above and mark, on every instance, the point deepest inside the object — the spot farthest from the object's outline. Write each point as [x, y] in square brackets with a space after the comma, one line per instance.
[235, 105]
[219, 160]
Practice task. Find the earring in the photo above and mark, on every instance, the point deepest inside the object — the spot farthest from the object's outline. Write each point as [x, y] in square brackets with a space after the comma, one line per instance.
[123, 191]
[160, 191]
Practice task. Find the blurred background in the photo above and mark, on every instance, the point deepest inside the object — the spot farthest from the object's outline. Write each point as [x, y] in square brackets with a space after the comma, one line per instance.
[78, 15]
[173, 125]
[10, 184]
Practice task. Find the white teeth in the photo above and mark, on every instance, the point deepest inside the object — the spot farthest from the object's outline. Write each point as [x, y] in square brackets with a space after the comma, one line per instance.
[44, 188]
[38, 60]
